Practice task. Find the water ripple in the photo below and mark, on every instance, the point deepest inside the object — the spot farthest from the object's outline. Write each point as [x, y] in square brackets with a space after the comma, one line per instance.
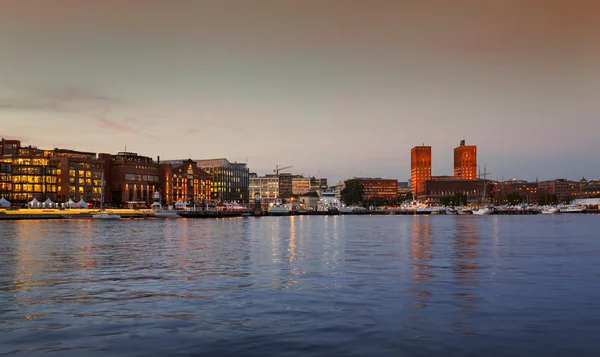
[315, 286]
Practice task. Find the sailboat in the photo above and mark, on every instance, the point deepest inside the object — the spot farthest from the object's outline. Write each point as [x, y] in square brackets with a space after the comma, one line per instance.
[102, 214]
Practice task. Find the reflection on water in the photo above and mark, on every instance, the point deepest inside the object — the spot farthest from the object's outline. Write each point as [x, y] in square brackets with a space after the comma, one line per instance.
[347, 285]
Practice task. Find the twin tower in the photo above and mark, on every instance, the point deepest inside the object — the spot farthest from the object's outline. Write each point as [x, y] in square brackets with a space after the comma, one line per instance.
[465, 165]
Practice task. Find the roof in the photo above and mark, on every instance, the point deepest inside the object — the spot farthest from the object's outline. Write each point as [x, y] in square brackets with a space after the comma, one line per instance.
[587, 201]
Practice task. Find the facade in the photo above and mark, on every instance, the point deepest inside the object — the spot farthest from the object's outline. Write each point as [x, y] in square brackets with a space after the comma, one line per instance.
[310, 200]
[420, 169]
[285, 185]
[266, 186]
[404, 192]
[184, 183]
[300, 185]
[318, 184]
[379, 189]
[6, 179]
[79, 175]
[129, 177]
[31, 176]
[446, 186]
[465, 161]
[564, 190]
[590, 189]
[527, 190]
[230, 181]
[9, 147]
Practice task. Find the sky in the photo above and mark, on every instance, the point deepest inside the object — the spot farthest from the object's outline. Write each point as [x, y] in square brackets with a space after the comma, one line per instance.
[336, 88]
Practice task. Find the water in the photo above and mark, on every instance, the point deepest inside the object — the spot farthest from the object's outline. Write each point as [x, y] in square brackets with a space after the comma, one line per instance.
[311, 286]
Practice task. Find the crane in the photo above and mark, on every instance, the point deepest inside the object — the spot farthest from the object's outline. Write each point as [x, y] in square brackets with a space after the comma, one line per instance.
[277, 169]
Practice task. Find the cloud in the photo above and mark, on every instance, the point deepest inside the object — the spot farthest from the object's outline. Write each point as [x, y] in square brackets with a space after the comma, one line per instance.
[73, 100]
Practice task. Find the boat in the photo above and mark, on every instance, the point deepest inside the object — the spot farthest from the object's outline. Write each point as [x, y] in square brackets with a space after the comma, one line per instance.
[159, 211]
[483, 211]
[550, 210]
[450, 210]
[424, 210]
[328, 203]
[345, 210]
[571, 209]
[278, 208]
[103, 214]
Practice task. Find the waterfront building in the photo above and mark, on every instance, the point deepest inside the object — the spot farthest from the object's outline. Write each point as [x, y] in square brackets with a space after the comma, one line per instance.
[438, 187]
[564, 189]
[79, 175]
[465, 161]
[9, 147]
[285, 185]
[266, 186]
[300, 185]
[230, 180]
[527, 190]
[310, 200]
[420, 169]
[129, 178]
[404, 193]
[184, 183]
[31, 176]
[379, 189]
[590, 189]
[319, 184]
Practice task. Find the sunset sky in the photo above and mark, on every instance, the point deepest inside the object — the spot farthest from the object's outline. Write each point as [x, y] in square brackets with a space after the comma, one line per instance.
[335, 88]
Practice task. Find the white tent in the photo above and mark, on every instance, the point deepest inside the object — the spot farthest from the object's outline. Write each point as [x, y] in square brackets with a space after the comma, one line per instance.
[4, 203]
[181, 204]
[71, 204]
[82, 203]
[48, 203]
[34, 203]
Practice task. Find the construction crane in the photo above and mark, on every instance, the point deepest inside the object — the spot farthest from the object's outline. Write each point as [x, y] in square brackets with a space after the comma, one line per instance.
[277, 169]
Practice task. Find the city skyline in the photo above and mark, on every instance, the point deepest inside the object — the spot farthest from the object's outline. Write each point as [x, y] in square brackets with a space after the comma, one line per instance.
[337, 90]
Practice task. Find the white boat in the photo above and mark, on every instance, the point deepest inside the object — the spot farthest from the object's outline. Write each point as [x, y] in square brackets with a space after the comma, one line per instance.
[159, 211]
[549, 210]
[571, 209]
[102, 214]
[346, 210]
[278, 208]
[328, 202]
[450, 210]
[483, 211]
[424, 210]
[105, 215]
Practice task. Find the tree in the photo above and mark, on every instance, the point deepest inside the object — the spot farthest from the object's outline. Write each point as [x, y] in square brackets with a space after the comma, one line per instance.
[352, 192]
[548, 200]
[514, 198]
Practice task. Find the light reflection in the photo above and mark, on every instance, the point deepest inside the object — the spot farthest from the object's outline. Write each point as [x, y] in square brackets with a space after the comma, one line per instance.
[465, 268]
[292, 242]
[421, 256]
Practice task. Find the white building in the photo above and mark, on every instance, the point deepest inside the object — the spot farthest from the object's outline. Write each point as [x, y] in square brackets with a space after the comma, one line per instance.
[266, 186]
[300, 185]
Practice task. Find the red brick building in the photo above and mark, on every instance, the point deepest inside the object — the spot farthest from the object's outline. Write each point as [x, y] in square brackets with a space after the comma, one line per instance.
[465, 161]
[379, 189]
[446, 186]
[564, 190]
[129, 178]
[420, 169]
[527, 190]
[184, 182]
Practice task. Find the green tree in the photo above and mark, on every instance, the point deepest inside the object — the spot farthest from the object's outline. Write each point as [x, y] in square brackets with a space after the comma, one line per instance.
[352, 192]
[514, 198]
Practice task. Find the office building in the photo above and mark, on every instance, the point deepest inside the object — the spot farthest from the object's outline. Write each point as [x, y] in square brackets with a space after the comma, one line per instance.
[420, 169]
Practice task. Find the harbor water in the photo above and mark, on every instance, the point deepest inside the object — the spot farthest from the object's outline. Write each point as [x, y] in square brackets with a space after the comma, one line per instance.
[302, 286]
